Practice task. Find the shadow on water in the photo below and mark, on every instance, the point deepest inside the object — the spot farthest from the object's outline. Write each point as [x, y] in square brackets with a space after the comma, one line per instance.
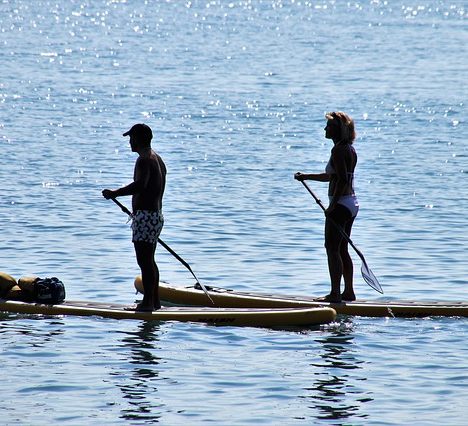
[139, 387]
[335, 394]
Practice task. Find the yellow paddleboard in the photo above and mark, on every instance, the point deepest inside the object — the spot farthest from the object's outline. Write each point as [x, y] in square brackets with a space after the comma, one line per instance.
[253, 317]
[227, 298]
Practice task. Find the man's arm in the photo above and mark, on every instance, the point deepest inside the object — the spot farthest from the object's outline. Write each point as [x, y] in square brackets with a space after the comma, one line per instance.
[142, 176]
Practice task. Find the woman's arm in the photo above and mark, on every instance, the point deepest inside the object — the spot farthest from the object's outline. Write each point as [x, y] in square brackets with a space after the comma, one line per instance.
[319, 177]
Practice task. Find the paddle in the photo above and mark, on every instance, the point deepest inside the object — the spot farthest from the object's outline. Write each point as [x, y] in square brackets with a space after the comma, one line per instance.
[366, 272]
[130, 214]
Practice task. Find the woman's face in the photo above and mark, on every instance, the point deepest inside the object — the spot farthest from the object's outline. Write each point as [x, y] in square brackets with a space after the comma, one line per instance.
[332, 129]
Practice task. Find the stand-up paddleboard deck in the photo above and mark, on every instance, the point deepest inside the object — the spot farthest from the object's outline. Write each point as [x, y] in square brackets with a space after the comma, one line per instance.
[253, 317]
[382, 308]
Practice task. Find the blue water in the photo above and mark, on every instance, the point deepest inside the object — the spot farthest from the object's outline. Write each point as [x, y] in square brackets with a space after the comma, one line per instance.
[236, 94]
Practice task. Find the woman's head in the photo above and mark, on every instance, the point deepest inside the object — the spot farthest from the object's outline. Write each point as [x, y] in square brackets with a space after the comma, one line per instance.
[340, 127]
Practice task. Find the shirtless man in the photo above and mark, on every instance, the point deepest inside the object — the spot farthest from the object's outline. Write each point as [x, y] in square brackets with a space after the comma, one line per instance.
[147, 190]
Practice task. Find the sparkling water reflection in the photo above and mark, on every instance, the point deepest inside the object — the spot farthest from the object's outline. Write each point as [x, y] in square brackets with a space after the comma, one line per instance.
[235, 93]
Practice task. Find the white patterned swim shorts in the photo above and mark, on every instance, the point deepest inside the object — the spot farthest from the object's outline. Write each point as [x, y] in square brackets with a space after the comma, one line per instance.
[147, 226]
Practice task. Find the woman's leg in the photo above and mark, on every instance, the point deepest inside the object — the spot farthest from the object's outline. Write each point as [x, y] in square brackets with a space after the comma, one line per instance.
[335, 266]
[339, 261]
[348, 268]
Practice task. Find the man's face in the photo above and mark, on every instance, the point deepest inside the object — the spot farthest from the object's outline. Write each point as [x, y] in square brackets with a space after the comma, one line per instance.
[133, 143]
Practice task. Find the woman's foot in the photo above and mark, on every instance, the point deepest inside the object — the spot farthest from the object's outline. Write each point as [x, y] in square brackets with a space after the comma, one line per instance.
[330, 298]
[348, 297]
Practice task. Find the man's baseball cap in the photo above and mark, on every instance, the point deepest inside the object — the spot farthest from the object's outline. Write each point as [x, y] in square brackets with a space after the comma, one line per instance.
[141, 130]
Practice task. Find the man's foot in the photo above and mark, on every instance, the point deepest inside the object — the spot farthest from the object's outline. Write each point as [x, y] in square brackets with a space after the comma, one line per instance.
[140, 307]
[143, 308]
[348, 297]
[330, 298]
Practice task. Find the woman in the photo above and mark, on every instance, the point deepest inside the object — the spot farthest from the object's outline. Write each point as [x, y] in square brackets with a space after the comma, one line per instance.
[343, 206]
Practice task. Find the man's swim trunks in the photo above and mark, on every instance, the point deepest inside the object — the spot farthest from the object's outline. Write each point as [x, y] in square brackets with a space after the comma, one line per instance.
[146, 226]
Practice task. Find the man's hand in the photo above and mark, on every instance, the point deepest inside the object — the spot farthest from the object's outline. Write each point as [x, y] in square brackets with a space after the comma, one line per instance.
[108, 193]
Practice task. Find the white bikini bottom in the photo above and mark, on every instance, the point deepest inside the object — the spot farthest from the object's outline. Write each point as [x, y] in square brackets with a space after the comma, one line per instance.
[350, 202]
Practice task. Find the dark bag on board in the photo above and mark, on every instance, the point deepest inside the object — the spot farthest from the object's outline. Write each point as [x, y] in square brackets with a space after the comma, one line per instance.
[49, 291]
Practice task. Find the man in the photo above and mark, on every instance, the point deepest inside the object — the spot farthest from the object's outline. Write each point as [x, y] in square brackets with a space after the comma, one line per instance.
[147, 190]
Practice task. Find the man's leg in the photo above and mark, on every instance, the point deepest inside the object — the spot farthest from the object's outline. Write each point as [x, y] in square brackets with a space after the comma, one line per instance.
[149, 274]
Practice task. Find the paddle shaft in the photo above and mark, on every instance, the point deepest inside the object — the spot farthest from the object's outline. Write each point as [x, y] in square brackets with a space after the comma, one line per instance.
[130, 214]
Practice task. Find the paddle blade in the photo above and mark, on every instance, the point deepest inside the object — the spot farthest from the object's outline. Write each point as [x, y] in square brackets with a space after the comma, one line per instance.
[370, 278]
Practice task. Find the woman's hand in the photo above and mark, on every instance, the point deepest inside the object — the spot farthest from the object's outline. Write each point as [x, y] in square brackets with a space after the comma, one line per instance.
[299, 176]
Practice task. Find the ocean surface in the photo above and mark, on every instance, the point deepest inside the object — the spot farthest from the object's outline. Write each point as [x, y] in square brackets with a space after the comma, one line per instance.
[236, 93]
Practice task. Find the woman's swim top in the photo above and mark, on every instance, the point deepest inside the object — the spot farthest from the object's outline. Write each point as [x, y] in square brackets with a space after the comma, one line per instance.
[350, 201]
[330, 169]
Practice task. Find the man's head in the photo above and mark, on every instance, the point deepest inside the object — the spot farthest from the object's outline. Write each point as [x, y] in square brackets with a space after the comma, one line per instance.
[140, 133]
